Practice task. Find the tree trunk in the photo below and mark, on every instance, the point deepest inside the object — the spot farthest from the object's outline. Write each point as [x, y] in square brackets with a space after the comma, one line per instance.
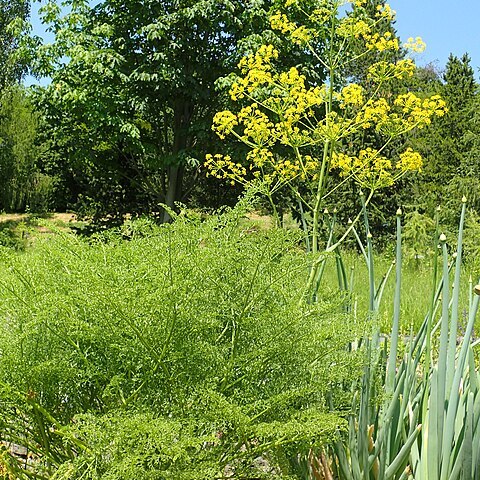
[183, 112]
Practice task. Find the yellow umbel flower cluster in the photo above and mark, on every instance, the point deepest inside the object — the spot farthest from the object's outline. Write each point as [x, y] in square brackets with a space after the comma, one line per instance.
[320, 15]
[415, 44]
[419, 112]
[385, 12]
[223, 167]
[257, 125]
[224, 123]
[291, 99]
[279, 21]
[274, 170]
[383, 71]
[409, 161]
[299, 35]
[373, 114]
[351, 95]
[353, 27]
[407, 112]
[350, 27]
[372, 170]
[381, 43]
[287, 169]
[281, 112]
[260, 60]
[333, 128]
[257, 70]
[260, 157]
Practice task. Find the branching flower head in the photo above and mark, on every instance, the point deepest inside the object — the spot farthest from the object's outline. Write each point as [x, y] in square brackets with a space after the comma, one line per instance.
[385, 12]
[418, 112]
[372, 170]
[257, 125]
[383, 71]
[257, 70]
[352, 94]
[410, 161]
[223, 167]
[299, 35]
[382, 42]
[224, 122]
[416, 44]
[281, 111]
[350, 27]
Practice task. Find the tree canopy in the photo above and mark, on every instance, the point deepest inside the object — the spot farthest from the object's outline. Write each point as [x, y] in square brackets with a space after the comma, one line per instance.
[13, 14]
[133, 103]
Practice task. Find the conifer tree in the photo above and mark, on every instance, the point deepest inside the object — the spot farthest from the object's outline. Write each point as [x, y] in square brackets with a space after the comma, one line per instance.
[448, 145]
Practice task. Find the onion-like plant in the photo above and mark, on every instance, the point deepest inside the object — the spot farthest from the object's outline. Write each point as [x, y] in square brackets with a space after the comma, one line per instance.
[418, 418]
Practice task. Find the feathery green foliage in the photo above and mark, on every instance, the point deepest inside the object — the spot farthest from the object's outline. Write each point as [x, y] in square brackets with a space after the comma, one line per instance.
[181, 353]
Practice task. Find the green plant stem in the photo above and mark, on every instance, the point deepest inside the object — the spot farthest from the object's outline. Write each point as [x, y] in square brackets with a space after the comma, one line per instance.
[318, 199]
[392, 359]
[442, 354]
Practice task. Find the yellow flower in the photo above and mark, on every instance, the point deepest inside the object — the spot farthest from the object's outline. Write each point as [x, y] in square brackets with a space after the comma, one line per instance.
[417, 112]
[224, 122]
[416, 45]
[352, 95]
[334, 127]
[260, 60]
[342, 162]
[299, 35]
[223, 167]
[321, 15]
[381, 43]
[374, 113]
[353, 27]
[385, 12]
[286, 112]
[257, 70]
[410, 161]
[280, 21]
[259, 157]
[383, 71]
[302, 35]
[369, 168]
[287, 170]
[257, 125]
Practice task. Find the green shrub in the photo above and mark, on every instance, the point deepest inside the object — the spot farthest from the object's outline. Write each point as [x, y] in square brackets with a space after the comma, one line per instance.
[180, 353]
[14, 234]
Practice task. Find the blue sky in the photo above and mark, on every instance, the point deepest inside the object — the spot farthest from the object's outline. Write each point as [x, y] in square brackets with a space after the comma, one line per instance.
[445, 25]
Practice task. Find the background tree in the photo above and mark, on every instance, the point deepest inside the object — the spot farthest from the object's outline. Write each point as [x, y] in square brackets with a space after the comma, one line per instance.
[448, 144]
[468, 173]
[130, 110]
[12, 15]
[21, 183]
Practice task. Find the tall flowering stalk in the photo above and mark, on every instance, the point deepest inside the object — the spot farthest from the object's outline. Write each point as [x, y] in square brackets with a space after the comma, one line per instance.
[298, 133]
